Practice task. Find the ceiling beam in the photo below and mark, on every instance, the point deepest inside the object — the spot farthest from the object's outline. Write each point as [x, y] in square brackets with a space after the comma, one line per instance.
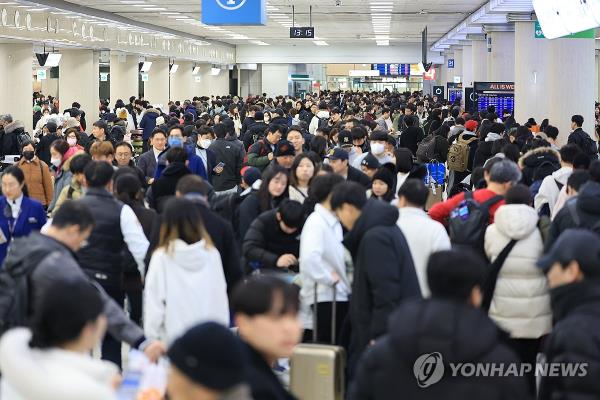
[78, 9]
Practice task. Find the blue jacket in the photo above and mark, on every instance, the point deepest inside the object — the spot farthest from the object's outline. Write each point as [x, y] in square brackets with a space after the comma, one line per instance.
[31, 218]
[192, 110]
[195, 164]
[148, 122]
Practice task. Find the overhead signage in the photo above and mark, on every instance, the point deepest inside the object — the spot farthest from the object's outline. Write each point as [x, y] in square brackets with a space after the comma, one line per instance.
[589, 34]
[144, 77]
[363, 72]
[469, 100]
[103, 76]
[392, 69]
[429, 75]
[307, 32]
[457, 79]
[450, 63]
[454, 91]
[41, 74]
[234, 12]
[455, 85]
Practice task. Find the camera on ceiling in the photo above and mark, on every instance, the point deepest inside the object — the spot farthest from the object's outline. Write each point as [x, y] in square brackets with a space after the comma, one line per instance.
[338, 3]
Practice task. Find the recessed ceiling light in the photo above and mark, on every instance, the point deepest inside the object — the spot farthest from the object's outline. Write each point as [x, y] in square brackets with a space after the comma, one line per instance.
[320, 43]
[383, 42]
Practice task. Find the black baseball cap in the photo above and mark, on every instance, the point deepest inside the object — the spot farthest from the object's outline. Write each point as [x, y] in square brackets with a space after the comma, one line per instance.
[370, 161]
[578, 245]
[379, 135]
[284, 148]
[345, 139]
[338, 154]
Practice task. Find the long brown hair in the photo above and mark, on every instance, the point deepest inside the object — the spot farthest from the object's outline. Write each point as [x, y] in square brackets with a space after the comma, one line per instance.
[182, 220]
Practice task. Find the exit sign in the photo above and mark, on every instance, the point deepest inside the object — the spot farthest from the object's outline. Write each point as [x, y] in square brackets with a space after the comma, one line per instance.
[589, 34]
[302, 33]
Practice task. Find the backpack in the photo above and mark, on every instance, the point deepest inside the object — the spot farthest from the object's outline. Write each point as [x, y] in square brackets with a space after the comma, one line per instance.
[458, 154]
[323, 123]
[591, 147]
[261, 151]
[469, 221]
[572, 207]
[15, 293]
[22, 138]
[426, 149]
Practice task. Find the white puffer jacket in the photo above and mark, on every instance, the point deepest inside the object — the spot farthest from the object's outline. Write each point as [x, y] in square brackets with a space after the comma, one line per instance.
[521, 303]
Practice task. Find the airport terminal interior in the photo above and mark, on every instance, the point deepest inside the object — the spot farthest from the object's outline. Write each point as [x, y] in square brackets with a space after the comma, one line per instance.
[299, 199]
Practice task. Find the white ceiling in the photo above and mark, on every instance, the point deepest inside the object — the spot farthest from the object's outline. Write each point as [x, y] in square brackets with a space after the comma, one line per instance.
[344, 24]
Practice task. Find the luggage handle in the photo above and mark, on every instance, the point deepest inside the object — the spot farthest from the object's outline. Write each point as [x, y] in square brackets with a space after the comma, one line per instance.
[333, 314]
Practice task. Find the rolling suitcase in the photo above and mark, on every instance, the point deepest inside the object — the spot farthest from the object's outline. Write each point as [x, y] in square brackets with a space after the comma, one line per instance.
[317, 370]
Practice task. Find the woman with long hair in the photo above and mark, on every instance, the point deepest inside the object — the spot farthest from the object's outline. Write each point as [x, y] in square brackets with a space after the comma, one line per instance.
[185, 284]
[302, 172]
[273, 189]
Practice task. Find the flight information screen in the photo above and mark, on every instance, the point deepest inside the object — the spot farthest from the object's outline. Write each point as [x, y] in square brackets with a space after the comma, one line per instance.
[392, 69]
[454, 91]
[501, 95]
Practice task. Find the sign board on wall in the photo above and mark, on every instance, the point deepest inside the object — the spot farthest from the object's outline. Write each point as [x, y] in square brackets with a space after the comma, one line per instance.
[234, 12]
[457, 79]
[439, 91]
[589, 34]
[197, 79]
[41, 74]
[450, 63]
[103, 76]
[144, 77]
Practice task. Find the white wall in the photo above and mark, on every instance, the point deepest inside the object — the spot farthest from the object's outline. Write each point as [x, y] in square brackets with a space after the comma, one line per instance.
[251, 81]
[16, 82]
[124, 77]
[275, 79]
[49, 86]
[344, 54]
[213, 85]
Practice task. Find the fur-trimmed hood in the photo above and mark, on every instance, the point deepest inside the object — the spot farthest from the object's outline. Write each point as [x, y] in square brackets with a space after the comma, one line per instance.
[540, 152]
[13, 126]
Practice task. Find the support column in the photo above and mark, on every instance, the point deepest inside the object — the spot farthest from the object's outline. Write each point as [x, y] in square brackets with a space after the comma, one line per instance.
[183, 83]
[16, 84]
[458, 65]
[275, 79]
[217, 85]
[467, 65]
[597, 75]
[479, 61]
[79, 80]
[501, 60]
[124, 77]
[156, 89]
[540, 78]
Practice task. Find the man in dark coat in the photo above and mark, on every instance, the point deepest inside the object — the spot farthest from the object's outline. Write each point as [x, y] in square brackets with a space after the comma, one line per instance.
[164, 187]
[273, 240]
[339, 161]
[582, 138]
[230, 151]
[255, 131]
[43, 147]
[573, 274]
[447, 328]
[412, 135]
[582, 211]
[384, 274]
[10, 139]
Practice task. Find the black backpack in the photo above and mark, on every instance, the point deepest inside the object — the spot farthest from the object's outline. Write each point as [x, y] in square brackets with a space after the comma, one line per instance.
[469, 221]
[323, 123]
[227, 206]
[15, 293]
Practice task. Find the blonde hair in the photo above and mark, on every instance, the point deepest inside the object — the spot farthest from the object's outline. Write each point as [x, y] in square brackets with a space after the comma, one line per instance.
[99, 149]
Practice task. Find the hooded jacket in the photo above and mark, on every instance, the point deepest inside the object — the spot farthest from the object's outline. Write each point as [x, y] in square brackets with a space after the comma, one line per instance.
[587, 206]
[458, 332]
[574, 339]
[185, 286]
[384, 274]
[533, 159]
[61, 262]
[10, 142]
[148, 122]
[164, 187]
[549, 190]
[314, 122]
[521, 303]
[57, 373]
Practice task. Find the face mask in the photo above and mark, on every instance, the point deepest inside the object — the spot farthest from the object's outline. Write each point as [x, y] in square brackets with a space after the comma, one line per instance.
[28, 155]
[377, 148]
[205, 143]
[55, 161]
[72, 141]
[175, 142]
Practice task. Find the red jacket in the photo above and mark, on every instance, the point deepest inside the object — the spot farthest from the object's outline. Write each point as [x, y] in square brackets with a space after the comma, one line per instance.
[441, 211]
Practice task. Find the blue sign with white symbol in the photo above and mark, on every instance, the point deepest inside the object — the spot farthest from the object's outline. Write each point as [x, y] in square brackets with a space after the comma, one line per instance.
[451, 63]
[234, 12]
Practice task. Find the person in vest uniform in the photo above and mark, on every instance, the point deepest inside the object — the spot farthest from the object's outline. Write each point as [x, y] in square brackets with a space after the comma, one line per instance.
[116, 227]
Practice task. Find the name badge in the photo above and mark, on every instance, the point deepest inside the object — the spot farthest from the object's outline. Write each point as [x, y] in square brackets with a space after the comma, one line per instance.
[32, 220]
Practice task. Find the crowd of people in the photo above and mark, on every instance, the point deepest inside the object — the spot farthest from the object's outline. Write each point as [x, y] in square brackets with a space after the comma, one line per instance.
[430, 227]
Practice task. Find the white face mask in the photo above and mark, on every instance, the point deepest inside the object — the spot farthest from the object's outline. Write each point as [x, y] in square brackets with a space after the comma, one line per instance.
[205, 143]
[72, 141]
[377, 148]
[55, 161]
